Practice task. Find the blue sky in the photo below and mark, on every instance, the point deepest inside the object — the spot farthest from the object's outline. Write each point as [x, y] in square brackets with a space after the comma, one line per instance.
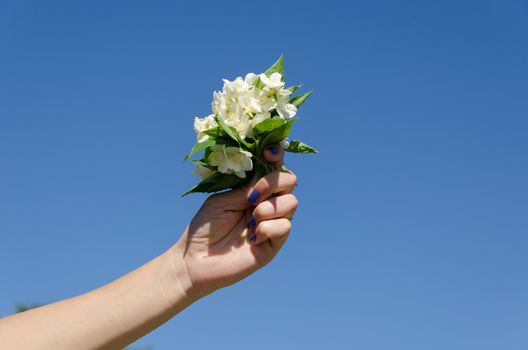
[412, 226]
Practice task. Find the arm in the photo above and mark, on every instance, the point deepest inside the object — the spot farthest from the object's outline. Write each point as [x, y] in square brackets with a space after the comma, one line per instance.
[232, 235]
[109, 317]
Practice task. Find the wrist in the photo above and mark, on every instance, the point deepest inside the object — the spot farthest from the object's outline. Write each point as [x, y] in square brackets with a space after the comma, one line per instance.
[181, 289]
[175, 281]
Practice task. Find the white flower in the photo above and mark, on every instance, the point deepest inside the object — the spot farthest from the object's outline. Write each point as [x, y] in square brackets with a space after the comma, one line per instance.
[239, 120]
[284, 92]
[202, 171]
[251, 78]
[257, 101]
[273, 81]
[235, 88]
[285, 144]
[219, 104]
[266, 102]
[230, 160]
[242, 105]
[236, 103]
[204, 124]
[285, 109]
[249, 101]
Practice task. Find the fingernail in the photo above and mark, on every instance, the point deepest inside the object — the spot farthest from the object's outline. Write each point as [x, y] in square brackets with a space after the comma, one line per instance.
[253, 197]
[253, 237]
[274, 150]
[251, 222]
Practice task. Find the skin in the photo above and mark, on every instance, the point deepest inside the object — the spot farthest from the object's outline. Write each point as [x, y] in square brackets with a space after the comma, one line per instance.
[216, 250]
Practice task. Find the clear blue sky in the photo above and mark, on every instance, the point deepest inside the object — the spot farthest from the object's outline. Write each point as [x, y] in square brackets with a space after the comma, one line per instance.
[412, 226]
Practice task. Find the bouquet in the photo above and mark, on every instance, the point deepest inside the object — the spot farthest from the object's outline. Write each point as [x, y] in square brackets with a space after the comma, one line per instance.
[249, 114]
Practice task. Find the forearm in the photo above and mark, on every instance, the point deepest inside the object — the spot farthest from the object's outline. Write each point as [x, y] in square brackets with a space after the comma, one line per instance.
[109, 317]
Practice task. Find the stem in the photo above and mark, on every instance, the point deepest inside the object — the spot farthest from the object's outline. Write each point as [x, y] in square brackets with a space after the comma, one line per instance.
[265, 166]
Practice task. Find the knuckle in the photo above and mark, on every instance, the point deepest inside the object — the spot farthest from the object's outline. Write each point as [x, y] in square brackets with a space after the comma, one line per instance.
[258, 212]
[264, 228]
[263, 210]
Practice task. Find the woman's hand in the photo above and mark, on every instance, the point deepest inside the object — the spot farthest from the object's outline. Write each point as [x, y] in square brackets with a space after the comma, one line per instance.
[236, 232]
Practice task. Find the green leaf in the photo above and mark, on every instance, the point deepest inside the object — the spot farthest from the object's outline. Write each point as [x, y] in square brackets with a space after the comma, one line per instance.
[276, 136]
[221, 137]
[233, 133]
[268, 125]
[297, 101]
[218, 182]
[297, 146]
[277, 67]
[215, 132]
[200, 147]
[294, 88]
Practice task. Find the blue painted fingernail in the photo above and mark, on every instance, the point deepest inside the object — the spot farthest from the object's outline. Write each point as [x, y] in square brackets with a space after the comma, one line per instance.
[251, 222]
[274, 150]
[253, 237]
[253, 197]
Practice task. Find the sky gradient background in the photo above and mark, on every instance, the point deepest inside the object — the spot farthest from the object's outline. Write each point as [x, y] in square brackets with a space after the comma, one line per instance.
[412, 227]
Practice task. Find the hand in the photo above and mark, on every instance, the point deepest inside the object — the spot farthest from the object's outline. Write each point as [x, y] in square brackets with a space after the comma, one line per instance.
[237, 232]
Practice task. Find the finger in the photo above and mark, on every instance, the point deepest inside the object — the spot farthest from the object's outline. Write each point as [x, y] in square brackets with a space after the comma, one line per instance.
[274, 208]
[275, 183]
[275, 155]
[275, 230]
